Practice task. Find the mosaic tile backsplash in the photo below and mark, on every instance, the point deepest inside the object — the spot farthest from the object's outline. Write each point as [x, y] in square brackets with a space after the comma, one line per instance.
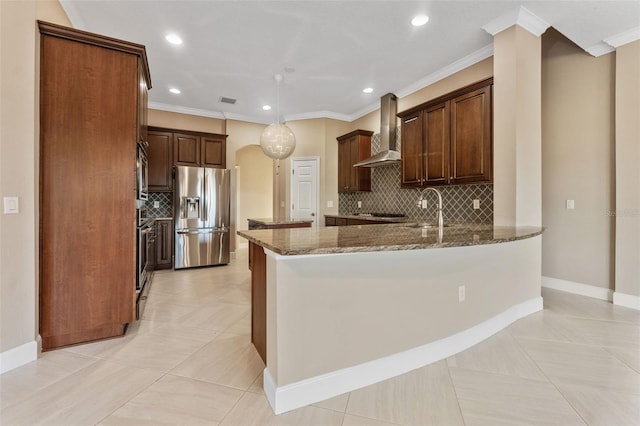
[386, 196]
[165, 201]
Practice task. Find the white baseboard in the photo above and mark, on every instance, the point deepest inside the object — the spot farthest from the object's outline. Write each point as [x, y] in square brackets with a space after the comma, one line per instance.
[626, 300]
[578, 288]
[295, 395]
[16, 357]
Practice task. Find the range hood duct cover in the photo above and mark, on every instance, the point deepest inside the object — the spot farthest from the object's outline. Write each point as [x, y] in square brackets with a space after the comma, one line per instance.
[388, 152]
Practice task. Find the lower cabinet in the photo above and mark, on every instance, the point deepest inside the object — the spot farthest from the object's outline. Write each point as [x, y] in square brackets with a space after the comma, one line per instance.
[164, 244]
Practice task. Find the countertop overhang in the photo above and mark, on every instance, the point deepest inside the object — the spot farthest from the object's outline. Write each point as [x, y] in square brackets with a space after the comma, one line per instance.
[392, 237]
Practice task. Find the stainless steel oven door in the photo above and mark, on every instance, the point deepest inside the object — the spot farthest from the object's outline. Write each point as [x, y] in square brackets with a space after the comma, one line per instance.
[145, 233]
[142, 173]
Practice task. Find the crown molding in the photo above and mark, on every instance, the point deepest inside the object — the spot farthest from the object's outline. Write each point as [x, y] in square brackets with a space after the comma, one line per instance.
[599, 49]
[318, 114]
[460, 64]
[522, 17]
[247, 118]
[186, 110]
[623, 38]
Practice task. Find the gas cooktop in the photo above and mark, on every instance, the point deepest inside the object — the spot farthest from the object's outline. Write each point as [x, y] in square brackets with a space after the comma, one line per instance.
[379, 214]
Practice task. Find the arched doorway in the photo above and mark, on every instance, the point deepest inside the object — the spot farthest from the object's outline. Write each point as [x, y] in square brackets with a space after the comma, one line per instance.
[254, 173]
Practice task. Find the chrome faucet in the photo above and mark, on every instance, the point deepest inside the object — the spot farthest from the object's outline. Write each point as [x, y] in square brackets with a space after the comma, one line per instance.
[422, 192]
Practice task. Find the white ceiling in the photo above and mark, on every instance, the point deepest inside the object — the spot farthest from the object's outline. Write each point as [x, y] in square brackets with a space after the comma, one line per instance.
[336, 48]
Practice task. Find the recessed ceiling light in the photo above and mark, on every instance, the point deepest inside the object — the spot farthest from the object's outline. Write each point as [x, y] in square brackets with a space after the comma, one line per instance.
[419, 20]
[367, 90]
[173, 38]
[266, 107]
[174, 90]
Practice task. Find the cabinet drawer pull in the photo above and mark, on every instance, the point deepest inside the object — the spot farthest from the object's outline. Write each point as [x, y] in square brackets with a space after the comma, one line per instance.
[411, 119]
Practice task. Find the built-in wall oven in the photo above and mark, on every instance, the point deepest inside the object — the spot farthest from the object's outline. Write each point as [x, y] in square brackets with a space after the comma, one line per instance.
[142, 172]
[145, 230]
[144, 266]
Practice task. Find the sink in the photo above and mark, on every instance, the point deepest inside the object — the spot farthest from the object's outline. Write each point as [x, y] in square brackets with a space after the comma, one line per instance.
[423, 225]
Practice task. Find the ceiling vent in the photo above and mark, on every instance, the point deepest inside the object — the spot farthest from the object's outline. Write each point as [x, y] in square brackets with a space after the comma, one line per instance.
[226, 100]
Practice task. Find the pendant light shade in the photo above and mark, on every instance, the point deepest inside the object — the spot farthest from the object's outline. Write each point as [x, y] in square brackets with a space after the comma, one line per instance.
[277, 141]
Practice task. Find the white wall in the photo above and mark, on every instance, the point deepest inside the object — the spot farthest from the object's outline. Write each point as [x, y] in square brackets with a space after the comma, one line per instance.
[254, 171]
[627, 159]
[19, 75]
[578, 162]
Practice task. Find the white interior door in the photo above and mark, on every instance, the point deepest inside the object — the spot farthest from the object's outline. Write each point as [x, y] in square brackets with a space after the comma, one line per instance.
[304, 189]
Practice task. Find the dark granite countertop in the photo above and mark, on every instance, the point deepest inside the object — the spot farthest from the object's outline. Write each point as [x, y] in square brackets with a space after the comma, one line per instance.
[390, 219]
[382, 237]
[270, 221]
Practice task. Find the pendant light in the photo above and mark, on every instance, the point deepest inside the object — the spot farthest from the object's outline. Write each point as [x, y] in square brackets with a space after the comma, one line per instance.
[277, 140]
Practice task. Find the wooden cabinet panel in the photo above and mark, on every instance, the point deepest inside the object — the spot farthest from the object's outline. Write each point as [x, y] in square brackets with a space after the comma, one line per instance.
[329, 221]
[90, 115]
[259, 300]
[412, 147]
[164, 244]
[143, 96]
[471, 137]
[449, 140]
[186, 149]
[352, 148]
[198, 149]
[213, 151]
[344, 164]
[436, 149]
[160, 159]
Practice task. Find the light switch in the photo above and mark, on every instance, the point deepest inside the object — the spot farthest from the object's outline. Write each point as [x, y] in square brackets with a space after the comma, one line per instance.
[11, 205]
[476, 204]
[571, 205]
[329, 204]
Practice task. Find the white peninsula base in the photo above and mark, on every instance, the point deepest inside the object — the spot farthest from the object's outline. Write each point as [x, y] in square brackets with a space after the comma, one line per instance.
[339, 322]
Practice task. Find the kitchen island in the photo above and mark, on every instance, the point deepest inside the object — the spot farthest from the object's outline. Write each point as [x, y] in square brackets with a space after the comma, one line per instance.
[345, 307]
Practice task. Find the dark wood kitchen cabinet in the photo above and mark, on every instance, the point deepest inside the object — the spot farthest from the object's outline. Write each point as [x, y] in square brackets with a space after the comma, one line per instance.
[449, 140]
[164, 244]
[160, 159]
[199, 149]
[92, 114]
[352, 148]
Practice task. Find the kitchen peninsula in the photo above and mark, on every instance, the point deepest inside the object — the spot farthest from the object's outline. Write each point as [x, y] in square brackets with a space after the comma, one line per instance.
[347, 306]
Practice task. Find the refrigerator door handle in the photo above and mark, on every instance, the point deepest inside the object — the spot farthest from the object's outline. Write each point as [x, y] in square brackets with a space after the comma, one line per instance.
[196, 231]
[202, 231]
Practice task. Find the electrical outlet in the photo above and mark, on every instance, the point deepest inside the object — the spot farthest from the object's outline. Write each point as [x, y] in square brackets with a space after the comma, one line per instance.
[156, 204]
[476, 204]
[461, 293]
[359, 204]
[329, 204]
[424, 204]
[571, 204]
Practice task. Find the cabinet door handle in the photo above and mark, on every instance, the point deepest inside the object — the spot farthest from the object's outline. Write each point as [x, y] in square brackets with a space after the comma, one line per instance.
[411, 119]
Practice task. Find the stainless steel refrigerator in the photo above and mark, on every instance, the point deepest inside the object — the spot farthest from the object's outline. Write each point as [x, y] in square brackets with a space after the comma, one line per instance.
[201, 217]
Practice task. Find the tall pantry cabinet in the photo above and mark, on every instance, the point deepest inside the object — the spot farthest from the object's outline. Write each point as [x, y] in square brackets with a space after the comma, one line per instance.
[93, 106]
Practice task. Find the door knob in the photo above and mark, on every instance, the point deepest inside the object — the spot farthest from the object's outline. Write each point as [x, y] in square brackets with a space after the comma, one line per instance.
[313, 214]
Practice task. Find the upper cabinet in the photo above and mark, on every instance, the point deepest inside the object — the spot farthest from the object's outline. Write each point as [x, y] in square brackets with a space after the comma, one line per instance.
[160, 159]
[352, 148]
[449, 140]
[199, 149]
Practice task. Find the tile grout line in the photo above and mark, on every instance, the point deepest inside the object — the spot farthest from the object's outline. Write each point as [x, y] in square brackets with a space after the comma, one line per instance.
[453, 385]
[551, 382]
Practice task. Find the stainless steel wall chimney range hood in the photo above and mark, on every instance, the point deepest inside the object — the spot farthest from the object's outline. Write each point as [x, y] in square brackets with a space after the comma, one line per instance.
[388, 153]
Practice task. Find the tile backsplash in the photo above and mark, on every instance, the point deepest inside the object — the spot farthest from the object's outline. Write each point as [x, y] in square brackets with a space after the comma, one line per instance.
[165, 204]
[386, 196]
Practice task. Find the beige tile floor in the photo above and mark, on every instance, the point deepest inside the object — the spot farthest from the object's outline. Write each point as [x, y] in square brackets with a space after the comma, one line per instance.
[189, 361]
